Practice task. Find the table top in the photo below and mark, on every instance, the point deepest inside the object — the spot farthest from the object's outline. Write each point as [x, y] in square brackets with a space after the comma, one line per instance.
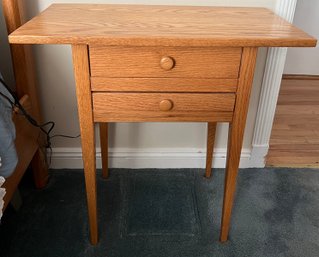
[142, 25]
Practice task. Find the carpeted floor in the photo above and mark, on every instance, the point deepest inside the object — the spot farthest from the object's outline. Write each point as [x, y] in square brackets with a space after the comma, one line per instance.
[168, 213]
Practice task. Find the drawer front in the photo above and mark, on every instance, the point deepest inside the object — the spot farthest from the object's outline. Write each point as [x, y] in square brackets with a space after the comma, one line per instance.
[160, 62]
[134, 107]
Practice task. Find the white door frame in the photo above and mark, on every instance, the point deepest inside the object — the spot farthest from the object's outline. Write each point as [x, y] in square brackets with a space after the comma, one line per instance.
[275, 63]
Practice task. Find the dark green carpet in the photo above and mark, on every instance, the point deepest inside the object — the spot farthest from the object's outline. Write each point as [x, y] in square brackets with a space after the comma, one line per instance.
[168, 213]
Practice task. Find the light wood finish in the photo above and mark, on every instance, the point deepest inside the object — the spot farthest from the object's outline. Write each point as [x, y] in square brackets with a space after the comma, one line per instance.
[300, 77]
[236, 134]
[104, 142]
[167, 63]
[136, 107]
[189, 62]
[294, 140]
[163, 85]
[129, 48]
[23, 63]
[29, 142]
[211, 132]
[155, 116]
[82, 79]
[166, 105]
[160, 26]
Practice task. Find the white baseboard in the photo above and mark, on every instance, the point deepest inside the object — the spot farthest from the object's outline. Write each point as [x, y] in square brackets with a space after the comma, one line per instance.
[258, 155]
[71, 158]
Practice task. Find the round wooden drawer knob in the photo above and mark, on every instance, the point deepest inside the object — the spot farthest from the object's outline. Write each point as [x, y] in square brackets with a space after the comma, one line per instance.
[167, 63]
[166, 105]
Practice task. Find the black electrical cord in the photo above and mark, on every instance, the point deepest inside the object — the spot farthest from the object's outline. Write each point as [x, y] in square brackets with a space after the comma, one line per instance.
[65, 136]
[17, 105]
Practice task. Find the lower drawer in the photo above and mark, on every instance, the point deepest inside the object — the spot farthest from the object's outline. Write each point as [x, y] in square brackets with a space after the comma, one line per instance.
[137, 107]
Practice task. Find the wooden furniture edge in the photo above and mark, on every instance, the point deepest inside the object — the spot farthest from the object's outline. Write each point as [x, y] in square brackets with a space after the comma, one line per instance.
[236, 135]
[26, 145]
[27, 137]
[287, 40]
[162, 41]
[300, 76]
[83, 91]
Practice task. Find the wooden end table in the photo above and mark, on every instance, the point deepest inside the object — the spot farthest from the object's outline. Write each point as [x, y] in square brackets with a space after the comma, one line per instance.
[135, 63]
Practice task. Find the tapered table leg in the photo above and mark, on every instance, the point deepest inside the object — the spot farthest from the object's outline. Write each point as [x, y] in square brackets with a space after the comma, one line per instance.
[236, 134]
[104, 148]
[83, 91]
[211, 131]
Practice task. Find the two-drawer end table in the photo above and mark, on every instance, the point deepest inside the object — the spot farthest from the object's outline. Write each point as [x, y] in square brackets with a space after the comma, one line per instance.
[135, 63]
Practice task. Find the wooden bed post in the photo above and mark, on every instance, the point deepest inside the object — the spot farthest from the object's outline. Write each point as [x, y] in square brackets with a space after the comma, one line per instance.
[26, 84]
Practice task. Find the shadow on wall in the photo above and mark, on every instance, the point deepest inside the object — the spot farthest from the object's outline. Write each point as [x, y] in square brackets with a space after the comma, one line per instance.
[5, 60]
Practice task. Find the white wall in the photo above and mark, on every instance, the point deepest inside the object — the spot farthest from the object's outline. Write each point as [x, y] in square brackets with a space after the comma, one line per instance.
[305, 60]
[149, 144]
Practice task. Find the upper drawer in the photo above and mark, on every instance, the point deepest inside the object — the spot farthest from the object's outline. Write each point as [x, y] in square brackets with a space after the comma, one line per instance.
[159, 62]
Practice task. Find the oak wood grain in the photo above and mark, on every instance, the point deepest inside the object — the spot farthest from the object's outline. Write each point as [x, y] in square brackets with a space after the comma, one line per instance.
[159, 25]
[83, 92]
[166, 105]
[294, 138]
[236, 135]
[164, 85]
[154, 116]
[22, 59]
[167, 63]
[134, 107]
[300, 77]
[189, 62]
[151, 54]
[211, 131]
